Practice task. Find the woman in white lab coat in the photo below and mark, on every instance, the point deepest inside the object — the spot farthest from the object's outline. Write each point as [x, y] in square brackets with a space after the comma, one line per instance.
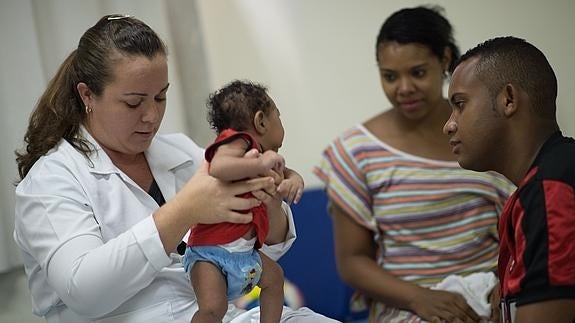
[103, 201]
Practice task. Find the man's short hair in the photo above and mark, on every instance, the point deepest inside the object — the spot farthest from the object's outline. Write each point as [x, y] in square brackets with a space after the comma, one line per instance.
[504, 60]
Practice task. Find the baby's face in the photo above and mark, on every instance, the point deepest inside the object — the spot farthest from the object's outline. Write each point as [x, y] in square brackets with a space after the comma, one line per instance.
[274, 137]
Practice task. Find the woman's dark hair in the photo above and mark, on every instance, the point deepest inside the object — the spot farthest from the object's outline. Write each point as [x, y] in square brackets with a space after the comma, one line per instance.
[422, 25]
[60, 111]
[235, 105]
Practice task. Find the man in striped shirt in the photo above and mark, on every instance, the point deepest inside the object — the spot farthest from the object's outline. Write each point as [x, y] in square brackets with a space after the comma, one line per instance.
[503, 118]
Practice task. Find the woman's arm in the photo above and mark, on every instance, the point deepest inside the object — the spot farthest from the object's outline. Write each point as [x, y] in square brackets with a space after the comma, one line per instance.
[282, 233]
[93, 275]
[205, 199]
[57, 228]
[355, 254]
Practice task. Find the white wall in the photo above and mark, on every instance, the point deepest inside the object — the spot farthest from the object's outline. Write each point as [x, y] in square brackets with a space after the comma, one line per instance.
[36, 36]
[21, 82]
[318, 57]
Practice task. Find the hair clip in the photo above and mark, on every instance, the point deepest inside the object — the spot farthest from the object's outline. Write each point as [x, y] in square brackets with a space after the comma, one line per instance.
[117, 17]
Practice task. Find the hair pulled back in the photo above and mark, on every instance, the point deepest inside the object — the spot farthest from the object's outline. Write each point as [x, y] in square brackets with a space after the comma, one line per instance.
[60, 112]
[422, 25]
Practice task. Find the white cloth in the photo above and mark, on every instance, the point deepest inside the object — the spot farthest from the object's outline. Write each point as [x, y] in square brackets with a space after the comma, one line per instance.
[475, 288]
[91, 250]
[303, 314]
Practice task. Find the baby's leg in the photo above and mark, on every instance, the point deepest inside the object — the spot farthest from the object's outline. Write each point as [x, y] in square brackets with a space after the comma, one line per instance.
[210, 288]
[272, 290]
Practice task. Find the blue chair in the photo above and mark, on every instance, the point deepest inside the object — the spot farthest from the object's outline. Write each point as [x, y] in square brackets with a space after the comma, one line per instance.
[310, 263]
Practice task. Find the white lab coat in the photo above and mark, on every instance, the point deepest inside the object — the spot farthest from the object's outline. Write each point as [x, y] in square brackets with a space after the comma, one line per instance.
[91, 250]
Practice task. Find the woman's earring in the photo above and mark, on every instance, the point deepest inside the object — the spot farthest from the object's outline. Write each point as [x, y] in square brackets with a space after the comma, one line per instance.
[88, 110]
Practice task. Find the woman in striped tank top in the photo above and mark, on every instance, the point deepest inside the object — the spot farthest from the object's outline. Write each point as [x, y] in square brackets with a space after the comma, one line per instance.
[405, 215]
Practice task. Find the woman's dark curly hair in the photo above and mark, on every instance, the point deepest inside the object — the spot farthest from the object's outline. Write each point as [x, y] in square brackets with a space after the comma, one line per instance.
[235, 105]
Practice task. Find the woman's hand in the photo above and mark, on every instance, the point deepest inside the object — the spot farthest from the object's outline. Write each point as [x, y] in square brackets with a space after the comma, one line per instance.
[205, 199]
[209, 200]
[442, 306]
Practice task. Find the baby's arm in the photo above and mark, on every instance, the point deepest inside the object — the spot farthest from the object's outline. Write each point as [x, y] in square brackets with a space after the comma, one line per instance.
[229, 164]
[291, 188]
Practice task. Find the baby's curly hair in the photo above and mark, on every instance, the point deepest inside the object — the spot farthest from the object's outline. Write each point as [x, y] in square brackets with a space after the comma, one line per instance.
[235, 105]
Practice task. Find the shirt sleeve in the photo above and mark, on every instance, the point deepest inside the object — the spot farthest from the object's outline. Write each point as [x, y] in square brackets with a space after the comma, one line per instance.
[544, 243]
[277, 250]
[345, 183]
[56, 227]
[504, 189]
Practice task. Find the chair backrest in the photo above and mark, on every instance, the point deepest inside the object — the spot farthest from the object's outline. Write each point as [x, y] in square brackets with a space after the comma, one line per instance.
[310, 263]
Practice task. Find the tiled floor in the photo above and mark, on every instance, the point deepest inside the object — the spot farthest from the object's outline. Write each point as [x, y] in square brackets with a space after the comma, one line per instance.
[15, 306]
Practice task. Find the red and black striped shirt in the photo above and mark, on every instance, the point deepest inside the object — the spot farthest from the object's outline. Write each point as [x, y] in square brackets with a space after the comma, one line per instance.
[537, 228]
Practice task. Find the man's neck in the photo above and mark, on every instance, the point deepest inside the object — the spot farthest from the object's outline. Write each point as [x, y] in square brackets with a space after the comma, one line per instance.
[526, 157]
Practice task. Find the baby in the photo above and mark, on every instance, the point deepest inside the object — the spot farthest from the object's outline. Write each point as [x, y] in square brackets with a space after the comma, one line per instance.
[223, 260]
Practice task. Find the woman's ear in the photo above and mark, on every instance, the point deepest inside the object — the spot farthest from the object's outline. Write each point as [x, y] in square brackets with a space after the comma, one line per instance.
[260, 122]
[85, 94]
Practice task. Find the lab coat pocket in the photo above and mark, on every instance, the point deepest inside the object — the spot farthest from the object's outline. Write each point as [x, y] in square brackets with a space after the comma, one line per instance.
[157, 313]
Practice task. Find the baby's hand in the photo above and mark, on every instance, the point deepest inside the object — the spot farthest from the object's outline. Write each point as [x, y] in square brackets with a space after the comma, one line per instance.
[291, 188]
[272, 161]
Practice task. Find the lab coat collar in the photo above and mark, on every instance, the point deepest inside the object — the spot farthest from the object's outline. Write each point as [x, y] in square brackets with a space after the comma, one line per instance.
[160, 155]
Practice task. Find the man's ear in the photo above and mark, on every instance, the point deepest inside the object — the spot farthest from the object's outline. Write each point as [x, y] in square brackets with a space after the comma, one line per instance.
[85, 94]
[260, 122]
[509, 99]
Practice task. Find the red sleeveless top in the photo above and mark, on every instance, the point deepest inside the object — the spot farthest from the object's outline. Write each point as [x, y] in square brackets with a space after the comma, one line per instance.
[225, 232]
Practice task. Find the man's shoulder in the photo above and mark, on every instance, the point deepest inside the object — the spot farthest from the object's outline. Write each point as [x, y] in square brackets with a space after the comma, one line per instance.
[558, 162]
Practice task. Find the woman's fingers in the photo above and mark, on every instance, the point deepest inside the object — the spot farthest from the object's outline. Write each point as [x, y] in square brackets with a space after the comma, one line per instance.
[444, 305]
[463, 311]
[238, 217]
[254, 184]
